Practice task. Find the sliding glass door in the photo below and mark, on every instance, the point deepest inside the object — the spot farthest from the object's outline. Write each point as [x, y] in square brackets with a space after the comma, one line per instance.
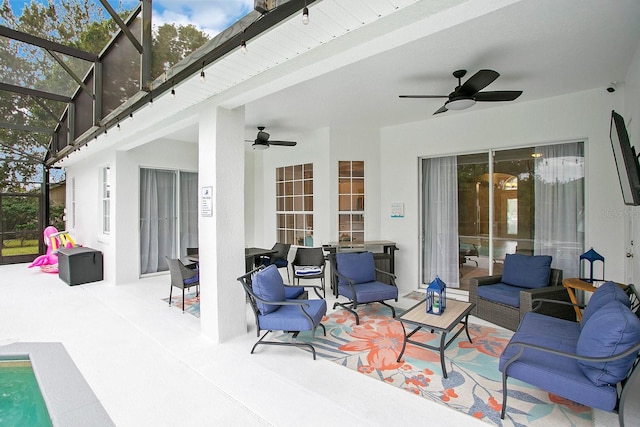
[168, 217]
[526, 200]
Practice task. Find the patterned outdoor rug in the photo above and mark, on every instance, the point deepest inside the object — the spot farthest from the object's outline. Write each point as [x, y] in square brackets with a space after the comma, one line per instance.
[191, 303]
[474, 385]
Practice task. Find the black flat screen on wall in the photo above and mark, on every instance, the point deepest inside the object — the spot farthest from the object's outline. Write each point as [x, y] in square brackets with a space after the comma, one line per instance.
[626, 161]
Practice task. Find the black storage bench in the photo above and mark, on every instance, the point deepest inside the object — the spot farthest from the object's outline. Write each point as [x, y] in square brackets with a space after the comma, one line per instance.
[79, 265]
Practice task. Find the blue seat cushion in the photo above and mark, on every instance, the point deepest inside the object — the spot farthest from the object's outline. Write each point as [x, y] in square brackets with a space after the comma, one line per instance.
[307, 270]
[527, 271]
[191, 280]
[291, 317]
[368, 292]
[357, 266]
[280, 262]
[502, 293]
[613, 329]
[268, 285]
[603, 295]
[554, 373]
[293, 292]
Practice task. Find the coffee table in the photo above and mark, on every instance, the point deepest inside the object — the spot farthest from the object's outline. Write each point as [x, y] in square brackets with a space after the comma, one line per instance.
[455, 315]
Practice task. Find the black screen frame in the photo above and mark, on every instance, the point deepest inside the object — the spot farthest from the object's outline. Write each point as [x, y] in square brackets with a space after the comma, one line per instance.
[626, 161]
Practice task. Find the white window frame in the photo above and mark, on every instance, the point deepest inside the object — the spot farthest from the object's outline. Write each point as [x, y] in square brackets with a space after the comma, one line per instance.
[106, 199]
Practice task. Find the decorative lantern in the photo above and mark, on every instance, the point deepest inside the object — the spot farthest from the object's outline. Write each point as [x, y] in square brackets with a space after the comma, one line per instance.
[436, 296]
[591, 256]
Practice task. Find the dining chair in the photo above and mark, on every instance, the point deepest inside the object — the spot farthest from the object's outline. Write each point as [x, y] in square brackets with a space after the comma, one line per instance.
[309, 263]
[279, 258]
[182, 277]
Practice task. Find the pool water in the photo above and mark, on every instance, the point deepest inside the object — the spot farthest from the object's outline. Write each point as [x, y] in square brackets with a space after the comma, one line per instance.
[21, 402]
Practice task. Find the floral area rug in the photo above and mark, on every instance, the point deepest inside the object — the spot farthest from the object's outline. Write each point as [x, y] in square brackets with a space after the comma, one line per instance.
[474, 383]
[191, 303]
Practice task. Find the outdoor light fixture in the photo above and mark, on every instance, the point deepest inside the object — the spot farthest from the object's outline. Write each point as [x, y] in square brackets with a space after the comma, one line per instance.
[243, 47]
[151, 102]
[202, 77]
[436, 297]
[173, 93]
[305, 15]
[118, 127]
[460, 103]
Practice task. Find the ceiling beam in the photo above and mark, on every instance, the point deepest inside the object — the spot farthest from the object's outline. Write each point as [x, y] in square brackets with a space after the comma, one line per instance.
[34, 92]
[47, 44]
[122, 26]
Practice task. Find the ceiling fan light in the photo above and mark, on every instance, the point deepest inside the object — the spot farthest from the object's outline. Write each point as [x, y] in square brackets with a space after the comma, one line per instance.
[259, 146]
[460, 104]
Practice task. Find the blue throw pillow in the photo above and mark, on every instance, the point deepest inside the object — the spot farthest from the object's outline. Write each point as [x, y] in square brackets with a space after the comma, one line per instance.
[268, 285]
[527, 271]
[357, 266]
[606, 293]
[611, 330]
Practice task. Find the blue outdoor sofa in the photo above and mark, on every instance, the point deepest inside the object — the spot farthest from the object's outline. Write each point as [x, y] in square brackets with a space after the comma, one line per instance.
[593, 363]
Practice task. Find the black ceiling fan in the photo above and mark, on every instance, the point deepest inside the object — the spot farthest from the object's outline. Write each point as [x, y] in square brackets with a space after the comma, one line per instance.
[262, 141]
[467, 94]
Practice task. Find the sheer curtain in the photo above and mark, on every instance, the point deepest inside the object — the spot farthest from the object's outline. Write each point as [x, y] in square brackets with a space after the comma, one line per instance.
[440, 220]
[559, 205]
[157, 219]
[188, 211]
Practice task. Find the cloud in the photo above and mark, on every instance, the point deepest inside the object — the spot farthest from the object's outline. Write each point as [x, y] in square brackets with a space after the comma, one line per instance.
[210, 16]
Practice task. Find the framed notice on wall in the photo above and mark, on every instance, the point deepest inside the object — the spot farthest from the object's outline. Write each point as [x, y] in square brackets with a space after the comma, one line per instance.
[206, 201]
[397, 210]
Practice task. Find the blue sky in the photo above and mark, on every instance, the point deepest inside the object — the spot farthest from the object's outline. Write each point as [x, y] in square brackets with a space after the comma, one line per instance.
[211, 16]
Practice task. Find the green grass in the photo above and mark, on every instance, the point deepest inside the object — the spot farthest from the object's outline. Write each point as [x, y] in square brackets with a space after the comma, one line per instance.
[19, 247]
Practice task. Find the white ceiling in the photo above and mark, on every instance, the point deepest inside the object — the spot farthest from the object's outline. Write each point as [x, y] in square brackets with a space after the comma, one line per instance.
[543, 47]
[348, 66]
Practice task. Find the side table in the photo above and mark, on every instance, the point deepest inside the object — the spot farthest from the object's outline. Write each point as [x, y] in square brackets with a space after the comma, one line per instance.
[573, 284]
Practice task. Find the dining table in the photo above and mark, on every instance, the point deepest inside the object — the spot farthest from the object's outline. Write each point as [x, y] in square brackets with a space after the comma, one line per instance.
[251, 255]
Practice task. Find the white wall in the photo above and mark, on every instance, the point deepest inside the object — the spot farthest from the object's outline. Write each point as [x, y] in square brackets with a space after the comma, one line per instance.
[120, 248]
[583, 116]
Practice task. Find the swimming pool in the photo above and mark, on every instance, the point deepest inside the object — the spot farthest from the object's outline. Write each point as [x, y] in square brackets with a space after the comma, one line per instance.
[67, 397]
[21, 401]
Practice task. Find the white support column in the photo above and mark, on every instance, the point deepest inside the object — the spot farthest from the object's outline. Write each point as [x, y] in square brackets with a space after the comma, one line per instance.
[221, 236]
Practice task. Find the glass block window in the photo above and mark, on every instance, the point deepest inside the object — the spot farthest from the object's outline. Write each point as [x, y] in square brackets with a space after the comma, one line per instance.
[294, 204]
[351, 201]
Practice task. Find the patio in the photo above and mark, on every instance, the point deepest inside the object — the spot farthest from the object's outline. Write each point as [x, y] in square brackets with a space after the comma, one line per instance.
[149, 365]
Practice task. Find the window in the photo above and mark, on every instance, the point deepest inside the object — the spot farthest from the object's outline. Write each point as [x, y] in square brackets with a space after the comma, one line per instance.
[294, 204]
[525, 200]
[106, 200]
[351, 201]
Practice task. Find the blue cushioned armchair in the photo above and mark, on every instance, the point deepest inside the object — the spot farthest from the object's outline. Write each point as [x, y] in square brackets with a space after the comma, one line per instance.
[275, 308]
[594, 363]
[504, 299]
[355, 275]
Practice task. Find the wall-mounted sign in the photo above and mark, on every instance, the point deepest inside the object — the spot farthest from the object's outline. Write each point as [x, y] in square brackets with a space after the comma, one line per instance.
[397, 210]
[206, 201]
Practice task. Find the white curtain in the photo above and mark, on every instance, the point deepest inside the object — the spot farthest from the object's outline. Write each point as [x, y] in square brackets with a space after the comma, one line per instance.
[559, 205]
[440, 221]
[157, 219]
[188, 211]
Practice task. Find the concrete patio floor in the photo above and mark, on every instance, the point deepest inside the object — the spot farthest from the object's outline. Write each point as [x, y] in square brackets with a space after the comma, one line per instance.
[149, 365]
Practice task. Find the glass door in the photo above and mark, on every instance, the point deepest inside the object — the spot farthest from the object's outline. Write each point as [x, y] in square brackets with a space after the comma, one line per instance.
[19, 231]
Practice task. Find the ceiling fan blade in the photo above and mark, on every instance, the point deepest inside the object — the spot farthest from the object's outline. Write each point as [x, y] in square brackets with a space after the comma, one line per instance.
[283, 143]
[423, 96]
[441, 110]
[498, 95]
[478, 81]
